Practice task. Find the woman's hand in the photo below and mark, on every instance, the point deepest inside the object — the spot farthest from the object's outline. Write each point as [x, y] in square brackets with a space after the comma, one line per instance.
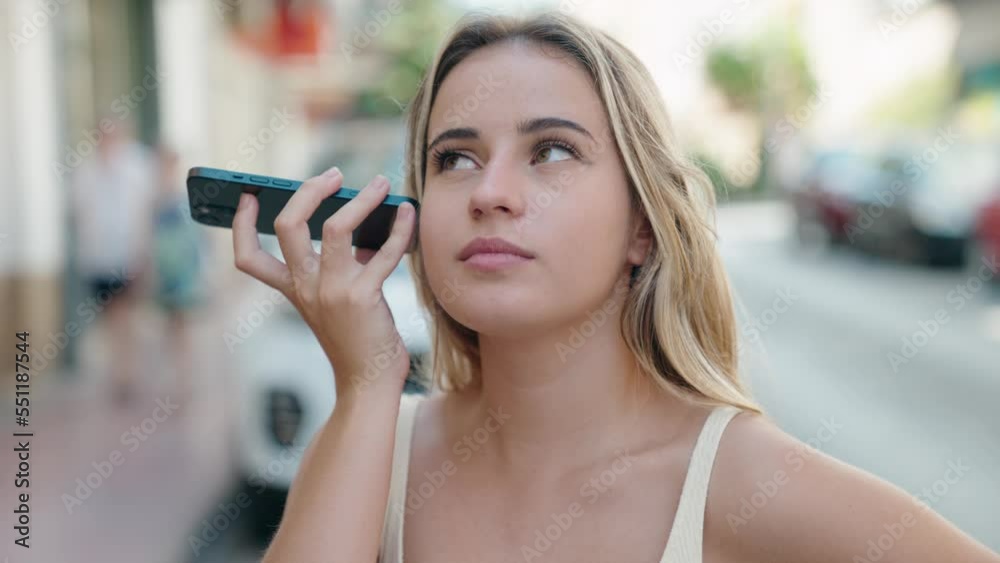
[338, 293]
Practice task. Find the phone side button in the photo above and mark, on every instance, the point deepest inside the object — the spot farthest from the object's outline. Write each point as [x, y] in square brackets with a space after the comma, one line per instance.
[259, 179]
[283, 183]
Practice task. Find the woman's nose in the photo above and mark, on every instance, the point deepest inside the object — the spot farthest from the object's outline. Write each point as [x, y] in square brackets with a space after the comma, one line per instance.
[500, 191]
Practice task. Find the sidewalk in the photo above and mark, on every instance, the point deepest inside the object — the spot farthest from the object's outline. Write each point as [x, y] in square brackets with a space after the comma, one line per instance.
[124, 484]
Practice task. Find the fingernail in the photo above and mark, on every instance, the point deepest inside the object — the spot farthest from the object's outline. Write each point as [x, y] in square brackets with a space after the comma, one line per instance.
[243, 199]
[332, 172]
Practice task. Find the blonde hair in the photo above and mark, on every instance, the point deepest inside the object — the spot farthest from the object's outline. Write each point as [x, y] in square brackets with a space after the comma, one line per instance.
[678, 316]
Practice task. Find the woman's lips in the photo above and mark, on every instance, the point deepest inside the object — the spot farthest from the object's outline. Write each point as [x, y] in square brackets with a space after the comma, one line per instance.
[494, 261]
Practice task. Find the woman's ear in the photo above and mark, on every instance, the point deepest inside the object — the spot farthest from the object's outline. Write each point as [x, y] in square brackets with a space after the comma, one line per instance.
[640, 240]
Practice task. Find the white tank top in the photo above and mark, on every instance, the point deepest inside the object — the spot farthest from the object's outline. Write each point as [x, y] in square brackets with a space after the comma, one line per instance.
[684, 542]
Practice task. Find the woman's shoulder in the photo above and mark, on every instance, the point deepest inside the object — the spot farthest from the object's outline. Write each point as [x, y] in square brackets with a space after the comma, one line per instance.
[775, 497]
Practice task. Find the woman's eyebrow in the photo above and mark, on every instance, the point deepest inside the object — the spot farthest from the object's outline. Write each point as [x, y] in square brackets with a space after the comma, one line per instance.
[542, 123]
[523, 128]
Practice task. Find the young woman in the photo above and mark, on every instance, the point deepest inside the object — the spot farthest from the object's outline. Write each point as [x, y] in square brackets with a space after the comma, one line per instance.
[589, 406]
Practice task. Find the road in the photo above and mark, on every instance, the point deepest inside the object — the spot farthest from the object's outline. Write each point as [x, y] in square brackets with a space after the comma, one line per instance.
[826, 333]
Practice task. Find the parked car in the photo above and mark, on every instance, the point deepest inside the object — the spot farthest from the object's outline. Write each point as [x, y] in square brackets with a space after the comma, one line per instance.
[287, 391]
[882, 213]
[827, 201]
[935, 219]
[987, 238]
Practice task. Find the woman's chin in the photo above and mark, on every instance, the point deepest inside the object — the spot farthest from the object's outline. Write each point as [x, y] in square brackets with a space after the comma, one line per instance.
[493, 306]
[493, 316]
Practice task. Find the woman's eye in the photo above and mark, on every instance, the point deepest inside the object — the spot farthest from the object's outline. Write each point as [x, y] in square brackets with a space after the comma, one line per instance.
[453, 162]
[552, 151]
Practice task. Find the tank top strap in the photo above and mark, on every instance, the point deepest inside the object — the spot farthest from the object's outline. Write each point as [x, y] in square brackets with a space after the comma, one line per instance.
[391, 547]
[684, 543]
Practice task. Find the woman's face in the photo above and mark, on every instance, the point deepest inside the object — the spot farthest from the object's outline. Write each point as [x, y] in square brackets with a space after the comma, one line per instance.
[520, 148]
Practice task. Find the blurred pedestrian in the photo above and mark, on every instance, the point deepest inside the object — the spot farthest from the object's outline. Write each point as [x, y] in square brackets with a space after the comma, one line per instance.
[112, 196]
[178, 254]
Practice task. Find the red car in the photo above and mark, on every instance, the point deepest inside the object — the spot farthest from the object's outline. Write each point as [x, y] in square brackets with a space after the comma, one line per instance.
[828, 198]
[988, 229]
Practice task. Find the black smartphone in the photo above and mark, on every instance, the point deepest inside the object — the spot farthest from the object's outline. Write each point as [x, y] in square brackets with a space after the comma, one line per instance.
[214, 195]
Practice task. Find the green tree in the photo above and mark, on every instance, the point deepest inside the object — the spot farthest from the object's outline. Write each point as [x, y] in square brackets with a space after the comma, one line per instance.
[920, 103]
[407, 42]
[766, 76]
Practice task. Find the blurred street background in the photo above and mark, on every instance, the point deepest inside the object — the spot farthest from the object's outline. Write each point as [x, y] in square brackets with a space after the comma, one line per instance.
[854, 145]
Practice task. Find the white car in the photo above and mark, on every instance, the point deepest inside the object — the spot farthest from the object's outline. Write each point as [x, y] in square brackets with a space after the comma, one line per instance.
[288, 392]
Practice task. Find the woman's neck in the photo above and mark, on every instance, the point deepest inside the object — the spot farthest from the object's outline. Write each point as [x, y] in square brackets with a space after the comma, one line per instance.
[565, 398]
